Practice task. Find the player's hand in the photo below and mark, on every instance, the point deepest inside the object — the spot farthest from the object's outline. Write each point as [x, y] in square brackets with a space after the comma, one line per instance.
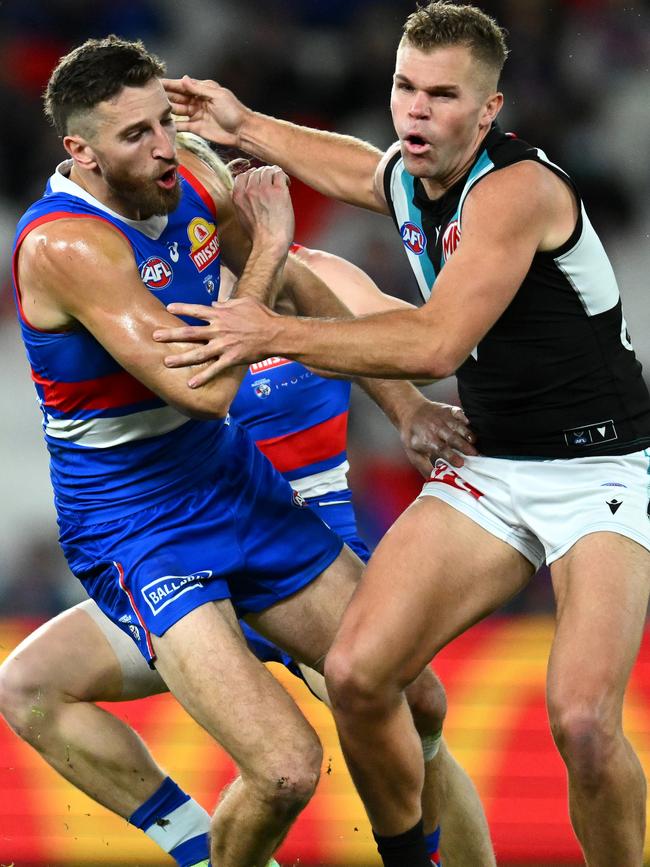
[206, 109]
[236, 332]
[263, 204]
[437, 430]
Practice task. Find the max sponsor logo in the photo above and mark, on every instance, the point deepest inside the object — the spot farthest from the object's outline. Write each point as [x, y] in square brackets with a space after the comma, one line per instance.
[414, 238]
[156, 274]
[450, 239]
[205, 243]
[443, 474]
[162, 592]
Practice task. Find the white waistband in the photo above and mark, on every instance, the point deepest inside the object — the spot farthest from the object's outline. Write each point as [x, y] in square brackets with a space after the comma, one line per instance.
[325, 482]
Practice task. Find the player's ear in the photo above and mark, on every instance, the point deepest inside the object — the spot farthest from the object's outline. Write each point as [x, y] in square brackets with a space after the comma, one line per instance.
[491, 108]
[80, 151]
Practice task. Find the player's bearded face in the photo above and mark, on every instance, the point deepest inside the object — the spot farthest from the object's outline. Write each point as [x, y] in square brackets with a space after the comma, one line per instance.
[142, 193]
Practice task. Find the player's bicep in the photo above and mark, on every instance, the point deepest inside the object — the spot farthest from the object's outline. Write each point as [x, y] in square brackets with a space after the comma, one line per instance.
[93, 278]
[503, 225]
[352, 286]
[378, 180]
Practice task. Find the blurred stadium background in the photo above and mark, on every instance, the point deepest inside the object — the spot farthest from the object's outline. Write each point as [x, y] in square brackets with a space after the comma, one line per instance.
[576, 84]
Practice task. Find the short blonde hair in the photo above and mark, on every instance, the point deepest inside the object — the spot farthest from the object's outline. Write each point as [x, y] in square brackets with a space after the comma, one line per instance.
[199, 146]
[443, 23]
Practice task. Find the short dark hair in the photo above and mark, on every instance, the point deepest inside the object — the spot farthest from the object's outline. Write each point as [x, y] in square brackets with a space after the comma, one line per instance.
[445, 23]
[94, 72]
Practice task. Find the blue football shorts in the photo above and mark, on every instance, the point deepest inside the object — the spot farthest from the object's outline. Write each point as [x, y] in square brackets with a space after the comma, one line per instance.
[241, 535]
[337, 511]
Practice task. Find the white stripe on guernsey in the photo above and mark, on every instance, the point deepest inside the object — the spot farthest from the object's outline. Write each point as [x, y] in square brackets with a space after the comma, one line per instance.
[403, 214]
[152, 227]
[104, 433]
[181, 826]
[325, 482]
[588, 269]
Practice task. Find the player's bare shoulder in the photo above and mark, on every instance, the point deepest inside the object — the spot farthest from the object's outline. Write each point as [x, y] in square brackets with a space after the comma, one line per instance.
[60, 256]
[525, 193]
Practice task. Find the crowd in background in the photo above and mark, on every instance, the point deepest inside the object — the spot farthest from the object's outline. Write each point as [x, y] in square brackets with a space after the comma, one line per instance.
[576, 84]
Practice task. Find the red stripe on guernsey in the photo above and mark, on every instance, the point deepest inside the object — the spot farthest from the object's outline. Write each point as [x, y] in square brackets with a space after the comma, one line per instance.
[305, 447]
[199, 189]
[105, 392]
[46, 218]
[120, 572]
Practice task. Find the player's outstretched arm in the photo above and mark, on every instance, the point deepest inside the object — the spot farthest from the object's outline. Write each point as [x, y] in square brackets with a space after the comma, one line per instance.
[338, 166]
[508, 217]
[428, 429]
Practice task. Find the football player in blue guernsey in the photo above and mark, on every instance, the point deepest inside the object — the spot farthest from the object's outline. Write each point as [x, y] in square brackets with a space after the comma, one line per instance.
[522, 304]
[68, 663]
[151, 479]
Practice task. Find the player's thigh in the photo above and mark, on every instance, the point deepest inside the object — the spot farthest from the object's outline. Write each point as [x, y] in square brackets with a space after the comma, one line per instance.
[434, 574]
[601, 585]
[74, 658]
[305, 623]
[204, 660]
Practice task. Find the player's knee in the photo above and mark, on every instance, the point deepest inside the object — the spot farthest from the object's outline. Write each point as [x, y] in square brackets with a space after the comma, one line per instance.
[25, 700]
[287, 784]
[353, 685]
[585, 738]
[428, 702]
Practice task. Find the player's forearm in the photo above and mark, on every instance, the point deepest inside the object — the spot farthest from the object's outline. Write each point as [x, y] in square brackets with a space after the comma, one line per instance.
[260, 279]
[339, 166]
[392, 345]
[262, 276]
[310, 295]
[397, 400]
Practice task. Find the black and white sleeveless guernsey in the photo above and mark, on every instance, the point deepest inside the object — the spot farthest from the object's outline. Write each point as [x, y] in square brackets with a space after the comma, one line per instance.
[556, 376]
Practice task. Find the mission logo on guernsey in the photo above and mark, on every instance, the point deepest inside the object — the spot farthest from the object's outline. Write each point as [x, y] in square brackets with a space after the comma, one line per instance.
[268, 364]
[204, 242]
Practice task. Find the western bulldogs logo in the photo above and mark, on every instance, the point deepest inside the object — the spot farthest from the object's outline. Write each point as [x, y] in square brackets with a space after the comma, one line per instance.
[262, 388]
[414, 238]
[156, 274]
[450, 239]
[210, 285]
[298, 500]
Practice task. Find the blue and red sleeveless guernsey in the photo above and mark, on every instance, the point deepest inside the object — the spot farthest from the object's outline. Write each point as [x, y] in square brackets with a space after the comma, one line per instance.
[299, 421]
[114, 444]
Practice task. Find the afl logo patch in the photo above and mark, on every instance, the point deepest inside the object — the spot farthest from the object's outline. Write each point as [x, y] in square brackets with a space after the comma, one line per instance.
[413, 238]
[156, 273]
[450, 239]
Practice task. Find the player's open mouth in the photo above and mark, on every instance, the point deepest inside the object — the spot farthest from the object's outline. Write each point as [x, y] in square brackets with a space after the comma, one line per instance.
[415, 144]
[168, 180]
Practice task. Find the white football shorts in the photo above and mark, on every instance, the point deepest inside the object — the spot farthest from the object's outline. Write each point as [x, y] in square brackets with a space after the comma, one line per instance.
[542, 507]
